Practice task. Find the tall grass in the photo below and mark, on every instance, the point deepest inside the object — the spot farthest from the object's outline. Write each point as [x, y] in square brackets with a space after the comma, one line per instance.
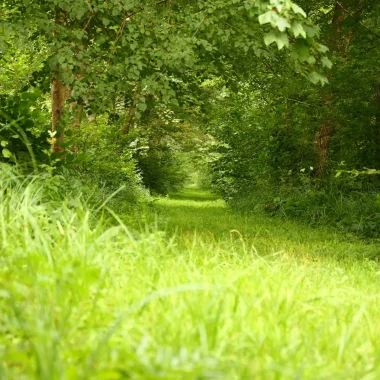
[80, 299]
[352, 211]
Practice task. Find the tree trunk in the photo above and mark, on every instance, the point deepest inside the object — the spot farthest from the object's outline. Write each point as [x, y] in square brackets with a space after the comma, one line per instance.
[377, 126]
[340, 40]
[128, 121]
[129, 118]
[59, 95]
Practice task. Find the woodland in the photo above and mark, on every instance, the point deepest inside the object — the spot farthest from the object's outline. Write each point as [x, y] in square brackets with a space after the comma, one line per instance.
[189, 189]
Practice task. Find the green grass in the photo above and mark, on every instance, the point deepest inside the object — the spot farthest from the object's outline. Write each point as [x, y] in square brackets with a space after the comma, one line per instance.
[202, 293]
[194, 194]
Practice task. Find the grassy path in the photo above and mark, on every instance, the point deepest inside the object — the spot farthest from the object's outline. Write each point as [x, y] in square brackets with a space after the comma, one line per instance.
[217, 296]
[308, 309]
[198, 213]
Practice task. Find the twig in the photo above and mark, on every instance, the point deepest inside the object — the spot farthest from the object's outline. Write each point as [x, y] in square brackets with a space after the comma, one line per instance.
[196, 31]
[88, 22]
[89, 7]
[128, 17]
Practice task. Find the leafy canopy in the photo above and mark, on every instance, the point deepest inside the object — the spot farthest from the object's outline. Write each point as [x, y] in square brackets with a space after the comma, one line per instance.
[140, 48]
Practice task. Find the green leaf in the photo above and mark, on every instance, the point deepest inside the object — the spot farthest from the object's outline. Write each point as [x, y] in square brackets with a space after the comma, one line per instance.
[142, 107]
[4, 143]
[302, 52]
[298, 30]
[313, 77]
[281, 39]
[298, 10]
[323, 48]
[7, 153]
[282, 24]
[105, 21]
[311, 32]
[316, 78]
[326, 62]
[269, 17]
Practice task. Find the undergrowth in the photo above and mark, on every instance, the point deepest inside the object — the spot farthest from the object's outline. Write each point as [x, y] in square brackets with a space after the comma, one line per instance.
[350, 211]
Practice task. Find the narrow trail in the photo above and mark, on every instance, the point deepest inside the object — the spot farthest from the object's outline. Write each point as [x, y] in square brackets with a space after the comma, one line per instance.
[196, 212]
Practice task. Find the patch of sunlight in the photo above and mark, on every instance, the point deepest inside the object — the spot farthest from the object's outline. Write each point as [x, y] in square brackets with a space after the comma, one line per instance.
[167, 202]
[194, 194]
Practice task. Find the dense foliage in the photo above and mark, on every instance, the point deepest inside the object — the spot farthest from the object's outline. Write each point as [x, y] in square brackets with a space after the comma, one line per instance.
[289, 148]
[189, 189]
[275, 98]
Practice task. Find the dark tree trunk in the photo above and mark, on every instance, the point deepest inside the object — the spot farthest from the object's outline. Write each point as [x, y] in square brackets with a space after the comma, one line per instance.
[58, 99]
[340, 40]
[377, 126]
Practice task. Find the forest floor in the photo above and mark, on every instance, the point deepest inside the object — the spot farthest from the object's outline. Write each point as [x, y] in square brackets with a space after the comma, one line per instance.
[217, 295]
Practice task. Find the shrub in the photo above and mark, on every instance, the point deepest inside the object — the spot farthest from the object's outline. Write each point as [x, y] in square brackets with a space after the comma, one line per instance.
[23, 122]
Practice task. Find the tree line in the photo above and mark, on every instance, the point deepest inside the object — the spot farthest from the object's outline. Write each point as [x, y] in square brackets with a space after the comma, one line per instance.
[277, 101]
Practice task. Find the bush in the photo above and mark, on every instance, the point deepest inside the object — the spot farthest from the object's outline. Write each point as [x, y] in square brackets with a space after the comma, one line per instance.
[104, 162]
[163, 171]
[353, 211]
[23, 122]
[55, 277]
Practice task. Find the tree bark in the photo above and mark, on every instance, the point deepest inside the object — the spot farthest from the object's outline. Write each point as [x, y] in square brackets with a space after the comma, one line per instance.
[377, 125]
[57, 104]
[339, 43]
[59, 95]
[129, 118]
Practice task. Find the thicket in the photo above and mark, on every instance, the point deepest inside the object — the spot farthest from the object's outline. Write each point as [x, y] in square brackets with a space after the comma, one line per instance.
[274, 104]
[125, 77]
[288, 148]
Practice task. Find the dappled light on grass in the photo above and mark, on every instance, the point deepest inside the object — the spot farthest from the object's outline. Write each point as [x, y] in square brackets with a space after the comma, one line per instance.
[194, 194]
[192, 204]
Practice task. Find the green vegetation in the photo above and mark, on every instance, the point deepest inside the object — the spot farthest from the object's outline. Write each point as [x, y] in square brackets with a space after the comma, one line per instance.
[225, 296]
[189, 189]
